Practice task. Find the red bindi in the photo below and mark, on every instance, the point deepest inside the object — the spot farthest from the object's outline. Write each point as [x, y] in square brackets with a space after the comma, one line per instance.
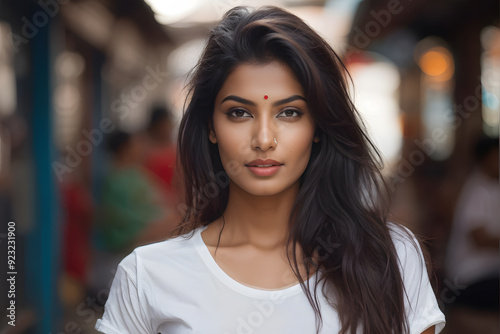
[266, 97]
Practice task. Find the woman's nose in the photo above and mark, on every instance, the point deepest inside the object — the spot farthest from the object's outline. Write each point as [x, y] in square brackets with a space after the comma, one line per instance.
[264, 136]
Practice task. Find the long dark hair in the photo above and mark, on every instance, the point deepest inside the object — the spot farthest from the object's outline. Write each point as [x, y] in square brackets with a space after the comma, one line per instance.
[342, 197]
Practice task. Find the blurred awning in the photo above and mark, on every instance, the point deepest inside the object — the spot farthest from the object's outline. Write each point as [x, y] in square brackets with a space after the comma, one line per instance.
[378, 18]
[95, 20]
[191, 19]
[188, 12]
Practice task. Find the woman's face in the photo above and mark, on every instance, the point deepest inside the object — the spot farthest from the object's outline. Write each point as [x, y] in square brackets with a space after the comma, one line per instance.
[256, 104]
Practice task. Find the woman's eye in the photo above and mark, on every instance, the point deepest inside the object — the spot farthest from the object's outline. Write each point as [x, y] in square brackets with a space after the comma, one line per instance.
[239, 113]
[290, 113]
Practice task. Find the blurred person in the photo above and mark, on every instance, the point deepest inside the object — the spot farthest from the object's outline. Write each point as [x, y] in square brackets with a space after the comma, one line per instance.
[78, 217]
[133, 210]
[276, 167]
[161, 157]
[78, 209]
[473, 259]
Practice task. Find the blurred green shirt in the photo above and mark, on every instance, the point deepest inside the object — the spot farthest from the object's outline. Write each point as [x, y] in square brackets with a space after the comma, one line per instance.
[130, 201]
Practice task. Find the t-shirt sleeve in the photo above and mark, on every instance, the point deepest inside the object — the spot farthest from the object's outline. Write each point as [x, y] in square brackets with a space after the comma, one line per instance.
[421, 305]
[125, 310]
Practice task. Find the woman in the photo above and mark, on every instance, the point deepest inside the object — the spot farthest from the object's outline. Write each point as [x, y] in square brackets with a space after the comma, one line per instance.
[285, 228]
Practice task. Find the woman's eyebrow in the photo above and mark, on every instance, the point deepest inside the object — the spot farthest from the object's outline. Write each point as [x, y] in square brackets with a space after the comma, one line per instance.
[238, 99]
[288, 100]
[250, 103]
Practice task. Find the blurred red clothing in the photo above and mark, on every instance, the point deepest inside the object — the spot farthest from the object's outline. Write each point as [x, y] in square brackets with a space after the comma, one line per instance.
[161, 162]
[78, 214]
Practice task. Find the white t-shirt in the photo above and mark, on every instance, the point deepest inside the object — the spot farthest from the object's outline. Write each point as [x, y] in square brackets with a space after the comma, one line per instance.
[176, 287]
[478, 206]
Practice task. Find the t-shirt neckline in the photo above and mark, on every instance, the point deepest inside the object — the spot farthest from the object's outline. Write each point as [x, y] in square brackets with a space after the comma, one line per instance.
[217, 271]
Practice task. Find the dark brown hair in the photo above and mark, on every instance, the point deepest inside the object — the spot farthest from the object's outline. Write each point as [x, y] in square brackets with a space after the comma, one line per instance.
[342, 197]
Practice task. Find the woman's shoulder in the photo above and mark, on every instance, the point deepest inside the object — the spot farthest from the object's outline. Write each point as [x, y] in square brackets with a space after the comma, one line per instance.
[168, 253]
[401, 235]
[407, 245]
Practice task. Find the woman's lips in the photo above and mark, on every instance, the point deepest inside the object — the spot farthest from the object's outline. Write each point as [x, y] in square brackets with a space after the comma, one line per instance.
[264, 167]
[264, 171]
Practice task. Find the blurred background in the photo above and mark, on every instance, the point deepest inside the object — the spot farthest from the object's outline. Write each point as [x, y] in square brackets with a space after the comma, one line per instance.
[91, 96]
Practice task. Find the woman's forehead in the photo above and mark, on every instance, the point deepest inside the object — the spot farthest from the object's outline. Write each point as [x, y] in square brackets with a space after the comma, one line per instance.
[258, 80]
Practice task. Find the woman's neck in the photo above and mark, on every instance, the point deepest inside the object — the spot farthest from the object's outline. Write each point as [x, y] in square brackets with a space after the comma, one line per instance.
[259, 221]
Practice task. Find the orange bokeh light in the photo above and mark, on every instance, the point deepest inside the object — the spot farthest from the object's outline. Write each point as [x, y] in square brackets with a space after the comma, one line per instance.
[437, 63]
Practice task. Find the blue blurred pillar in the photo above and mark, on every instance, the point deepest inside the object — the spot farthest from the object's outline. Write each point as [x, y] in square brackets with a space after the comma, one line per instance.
[43, 251]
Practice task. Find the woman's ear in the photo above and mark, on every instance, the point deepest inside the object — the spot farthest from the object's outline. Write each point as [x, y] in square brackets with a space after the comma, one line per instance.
[316, 136]
[211, 135]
